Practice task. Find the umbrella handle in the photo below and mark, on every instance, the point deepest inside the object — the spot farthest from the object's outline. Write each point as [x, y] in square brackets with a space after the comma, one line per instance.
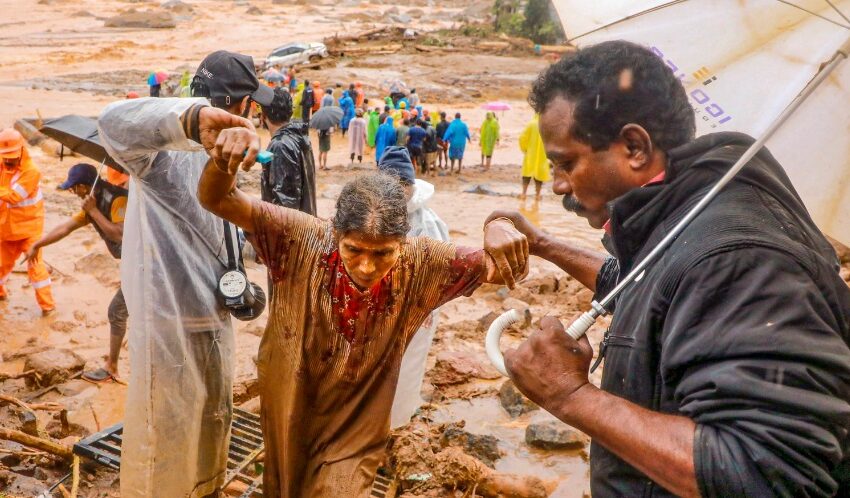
[491, 343]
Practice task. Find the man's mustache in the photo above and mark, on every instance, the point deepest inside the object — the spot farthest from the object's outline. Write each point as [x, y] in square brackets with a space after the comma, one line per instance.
[571, 204]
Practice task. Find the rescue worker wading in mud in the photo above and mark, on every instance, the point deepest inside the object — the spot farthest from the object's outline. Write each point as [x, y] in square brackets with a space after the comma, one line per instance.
[21, 217]
[103, 207]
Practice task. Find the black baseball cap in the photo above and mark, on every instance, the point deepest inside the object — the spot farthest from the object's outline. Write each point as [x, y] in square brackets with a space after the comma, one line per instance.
[227, 74]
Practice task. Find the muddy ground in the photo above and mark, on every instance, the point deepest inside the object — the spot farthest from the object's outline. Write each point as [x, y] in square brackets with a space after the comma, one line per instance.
[58, 57]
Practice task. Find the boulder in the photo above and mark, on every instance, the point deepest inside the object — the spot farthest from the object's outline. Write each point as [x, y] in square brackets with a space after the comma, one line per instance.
[513, 401]
[146, 20]
[553, 435]
[457, 367]
[484, 448]
[52, 367]
[178, 8]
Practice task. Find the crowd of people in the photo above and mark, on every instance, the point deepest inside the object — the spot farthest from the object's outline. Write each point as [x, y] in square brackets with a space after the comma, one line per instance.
[727, 363]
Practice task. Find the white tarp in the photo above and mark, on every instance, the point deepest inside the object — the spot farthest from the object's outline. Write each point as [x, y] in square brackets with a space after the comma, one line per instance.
[742, 62]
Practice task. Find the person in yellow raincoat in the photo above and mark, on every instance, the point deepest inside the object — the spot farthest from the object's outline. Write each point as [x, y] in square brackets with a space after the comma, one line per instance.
[21, 217]
[296, 102]
[489, 134]
[535, 164]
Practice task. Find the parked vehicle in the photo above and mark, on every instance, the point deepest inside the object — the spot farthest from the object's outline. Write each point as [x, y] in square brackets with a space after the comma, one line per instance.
[296, 53]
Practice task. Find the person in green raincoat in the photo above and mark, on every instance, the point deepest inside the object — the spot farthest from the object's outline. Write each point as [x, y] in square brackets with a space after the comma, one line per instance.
[372, 127]
[489, 136]
[296, 102]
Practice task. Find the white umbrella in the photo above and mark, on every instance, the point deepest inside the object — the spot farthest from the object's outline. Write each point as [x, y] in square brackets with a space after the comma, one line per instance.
[774, 69]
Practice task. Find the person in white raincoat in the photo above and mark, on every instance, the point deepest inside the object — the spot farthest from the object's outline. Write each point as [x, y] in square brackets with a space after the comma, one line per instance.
[179, 399]
[424, 222]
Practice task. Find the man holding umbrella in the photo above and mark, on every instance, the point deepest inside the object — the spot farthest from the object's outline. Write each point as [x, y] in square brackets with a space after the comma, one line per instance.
[21, 217]
[179, 399]
[727, 364]
[104, 207]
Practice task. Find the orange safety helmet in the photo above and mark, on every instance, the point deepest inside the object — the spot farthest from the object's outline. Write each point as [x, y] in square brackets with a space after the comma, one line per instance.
[11, 143]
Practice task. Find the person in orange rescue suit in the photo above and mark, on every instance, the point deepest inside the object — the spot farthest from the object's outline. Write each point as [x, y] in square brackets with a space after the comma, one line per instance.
[21, 216]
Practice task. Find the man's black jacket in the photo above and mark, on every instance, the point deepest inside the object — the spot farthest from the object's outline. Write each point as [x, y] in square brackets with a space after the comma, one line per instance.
[290, 179]
[741, 326]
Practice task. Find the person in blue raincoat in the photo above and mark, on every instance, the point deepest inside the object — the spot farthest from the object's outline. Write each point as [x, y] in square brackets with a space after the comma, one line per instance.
[457, 136]
[347, 105]
[385, 138]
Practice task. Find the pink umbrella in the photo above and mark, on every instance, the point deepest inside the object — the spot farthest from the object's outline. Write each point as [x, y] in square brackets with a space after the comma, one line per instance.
[496, 106]
[157, 77]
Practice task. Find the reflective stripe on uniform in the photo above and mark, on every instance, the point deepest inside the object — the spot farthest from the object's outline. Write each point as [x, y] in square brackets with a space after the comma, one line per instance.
[29, 202]
[15, 177]
[40, 284]
[21, 190]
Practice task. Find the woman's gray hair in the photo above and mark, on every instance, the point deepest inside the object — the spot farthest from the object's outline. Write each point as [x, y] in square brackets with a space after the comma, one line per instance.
[374, 205]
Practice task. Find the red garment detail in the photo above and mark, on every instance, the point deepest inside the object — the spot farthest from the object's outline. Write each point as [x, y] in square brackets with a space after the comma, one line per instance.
[348, 302]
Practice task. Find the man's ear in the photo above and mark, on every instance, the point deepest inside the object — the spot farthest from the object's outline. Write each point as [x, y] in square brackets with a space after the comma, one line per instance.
[639, 145]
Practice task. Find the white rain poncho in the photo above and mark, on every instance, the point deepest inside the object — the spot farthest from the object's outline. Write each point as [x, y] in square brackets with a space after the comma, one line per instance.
[424, 222]
[179, 401]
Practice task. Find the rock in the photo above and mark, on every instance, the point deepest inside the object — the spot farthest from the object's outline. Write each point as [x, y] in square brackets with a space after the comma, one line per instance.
[63, 326]
[29, 423]
[553, 435]
[80, 316]
[513, 401]
[485, 321]
[178, 8]
[401, 18]
[52, 367]
[482, 190]
[254, 11]
[457, 367]
[542, 284]
[147, 20]
[102, 266]
[484, 448]
[75, 387]
[246, 390]
[584, 297]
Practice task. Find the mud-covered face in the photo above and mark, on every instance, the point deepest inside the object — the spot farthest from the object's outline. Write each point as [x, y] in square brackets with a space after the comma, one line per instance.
[368, 259]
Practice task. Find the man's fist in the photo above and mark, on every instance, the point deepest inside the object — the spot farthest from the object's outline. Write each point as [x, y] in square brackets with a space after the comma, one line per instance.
[230, 140]
[550, 365]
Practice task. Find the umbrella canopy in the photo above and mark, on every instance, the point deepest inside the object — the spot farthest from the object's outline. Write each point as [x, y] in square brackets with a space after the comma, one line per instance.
[157, 77]
[273, 76]
[742, 62]
[79, 134]
[326, 118]
[496, 106]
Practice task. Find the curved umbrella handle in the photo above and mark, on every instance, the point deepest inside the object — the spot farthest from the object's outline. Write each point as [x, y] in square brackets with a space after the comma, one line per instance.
[494, 333]
[576, 329]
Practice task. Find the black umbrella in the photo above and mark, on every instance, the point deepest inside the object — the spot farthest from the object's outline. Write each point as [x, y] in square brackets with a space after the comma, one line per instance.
[326, 118]
[79, 134]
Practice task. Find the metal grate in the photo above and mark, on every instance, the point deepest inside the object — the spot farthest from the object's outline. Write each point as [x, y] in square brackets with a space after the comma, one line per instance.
[246, 445]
